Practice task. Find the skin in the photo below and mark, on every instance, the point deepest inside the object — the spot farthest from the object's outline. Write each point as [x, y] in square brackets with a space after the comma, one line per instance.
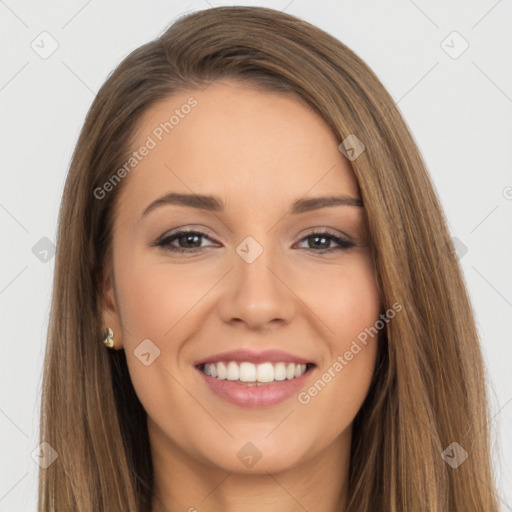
[259, 152]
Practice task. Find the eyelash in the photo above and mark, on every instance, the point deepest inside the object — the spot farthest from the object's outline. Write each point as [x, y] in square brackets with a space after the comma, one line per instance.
[165, 242]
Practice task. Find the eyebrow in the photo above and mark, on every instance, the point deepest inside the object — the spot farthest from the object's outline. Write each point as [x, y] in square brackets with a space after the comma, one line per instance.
[215, 204]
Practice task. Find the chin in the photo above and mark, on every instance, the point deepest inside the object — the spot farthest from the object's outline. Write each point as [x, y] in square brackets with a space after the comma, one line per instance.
[255, 455]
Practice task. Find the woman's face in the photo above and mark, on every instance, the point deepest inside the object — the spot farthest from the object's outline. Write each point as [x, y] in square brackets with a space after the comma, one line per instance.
[257, 276]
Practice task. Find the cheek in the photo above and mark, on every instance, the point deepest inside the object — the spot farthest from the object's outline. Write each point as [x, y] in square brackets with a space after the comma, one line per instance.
[342, 300]
[349, 305]
[154, 296]
[357, 303]
[356, 342]
[345, 298]
[154, 301]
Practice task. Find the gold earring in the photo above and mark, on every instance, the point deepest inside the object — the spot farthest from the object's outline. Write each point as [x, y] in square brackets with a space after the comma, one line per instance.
[109, 338]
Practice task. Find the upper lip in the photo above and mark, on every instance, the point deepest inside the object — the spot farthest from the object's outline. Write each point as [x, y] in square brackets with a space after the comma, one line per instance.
[271, 356]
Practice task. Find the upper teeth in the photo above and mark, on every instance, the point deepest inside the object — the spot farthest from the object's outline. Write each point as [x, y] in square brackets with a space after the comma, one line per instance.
[249, 372]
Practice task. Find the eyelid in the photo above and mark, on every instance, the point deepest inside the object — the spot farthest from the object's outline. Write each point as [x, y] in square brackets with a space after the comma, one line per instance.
[325, 229]
[342, 241]
[202, 233]
[189, 228]
[207, 234]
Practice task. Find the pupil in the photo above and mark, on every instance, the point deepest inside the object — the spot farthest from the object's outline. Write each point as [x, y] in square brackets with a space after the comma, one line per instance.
[187, 238]
[315, 238]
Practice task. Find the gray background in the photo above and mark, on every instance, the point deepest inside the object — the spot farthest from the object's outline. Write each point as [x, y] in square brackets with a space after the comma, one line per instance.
[457, 106]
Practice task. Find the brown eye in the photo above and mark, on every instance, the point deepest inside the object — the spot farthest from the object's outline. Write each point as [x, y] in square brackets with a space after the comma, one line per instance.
[323, 240]
[188, 241]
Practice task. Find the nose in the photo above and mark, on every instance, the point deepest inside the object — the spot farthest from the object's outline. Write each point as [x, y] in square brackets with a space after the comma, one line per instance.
[257, 293]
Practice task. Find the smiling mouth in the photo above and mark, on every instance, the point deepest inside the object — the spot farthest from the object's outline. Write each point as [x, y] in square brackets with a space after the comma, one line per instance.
[250, 374]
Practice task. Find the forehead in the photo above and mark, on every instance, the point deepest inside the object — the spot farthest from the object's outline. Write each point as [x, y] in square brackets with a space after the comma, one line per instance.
[237, 142]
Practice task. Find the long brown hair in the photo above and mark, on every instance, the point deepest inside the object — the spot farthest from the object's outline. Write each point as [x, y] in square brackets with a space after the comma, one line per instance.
[428, 389]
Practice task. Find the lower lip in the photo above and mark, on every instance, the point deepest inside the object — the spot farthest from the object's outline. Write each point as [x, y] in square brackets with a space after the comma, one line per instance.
[255, 396]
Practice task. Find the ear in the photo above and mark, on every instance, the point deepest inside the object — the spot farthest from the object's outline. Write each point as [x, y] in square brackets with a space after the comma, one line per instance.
[109, 306]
